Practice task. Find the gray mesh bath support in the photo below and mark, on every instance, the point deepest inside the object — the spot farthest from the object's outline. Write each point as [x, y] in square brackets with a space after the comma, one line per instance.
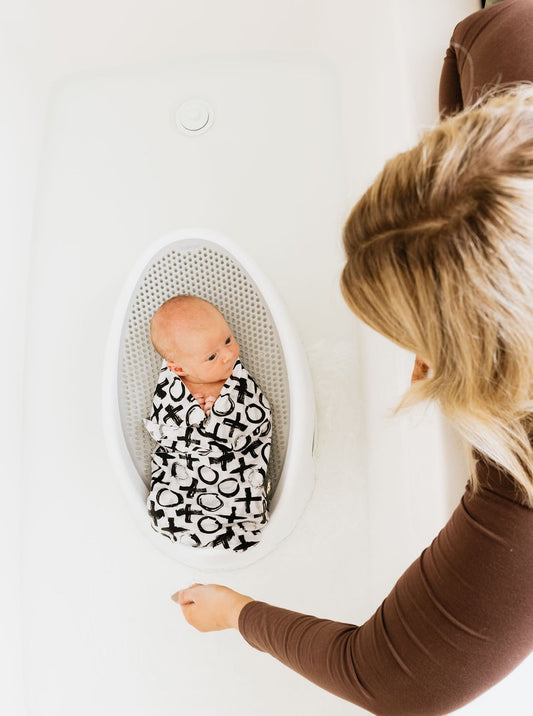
[204, 263]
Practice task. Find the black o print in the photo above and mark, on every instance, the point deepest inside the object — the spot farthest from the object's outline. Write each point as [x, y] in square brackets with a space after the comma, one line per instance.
[264, 401]
[229, 487]
[210, 502]
[240, 442]
[254, 477]
[195, 415]
[263, 429]
[176, 390]
[223, 405]
[190, 540]
[180, 471]
[207, 475]
[255, 414]
[208, 525]
[249, 526]
[168, 498]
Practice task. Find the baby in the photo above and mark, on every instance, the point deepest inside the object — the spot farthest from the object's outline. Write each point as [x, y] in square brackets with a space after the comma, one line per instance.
[213, 429]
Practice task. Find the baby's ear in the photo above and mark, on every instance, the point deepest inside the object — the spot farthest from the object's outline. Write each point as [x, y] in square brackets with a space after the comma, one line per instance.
[175, 368]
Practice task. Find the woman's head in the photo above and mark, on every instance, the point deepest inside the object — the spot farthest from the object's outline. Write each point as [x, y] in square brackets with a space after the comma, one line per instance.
[439, 258]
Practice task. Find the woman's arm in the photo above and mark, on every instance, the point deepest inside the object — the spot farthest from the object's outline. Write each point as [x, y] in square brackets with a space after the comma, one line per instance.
[450, 94]
[458, 620]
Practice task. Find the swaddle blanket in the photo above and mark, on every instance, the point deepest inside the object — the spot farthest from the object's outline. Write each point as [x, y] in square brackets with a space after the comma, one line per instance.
[209, 471]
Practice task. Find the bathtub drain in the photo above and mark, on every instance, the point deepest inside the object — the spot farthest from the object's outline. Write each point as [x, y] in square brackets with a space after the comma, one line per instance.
[194, 117]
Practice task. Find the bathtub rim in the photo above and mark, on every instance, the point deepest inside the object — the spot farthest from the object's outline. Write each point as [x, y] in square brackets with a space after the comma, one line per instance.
[302, 416]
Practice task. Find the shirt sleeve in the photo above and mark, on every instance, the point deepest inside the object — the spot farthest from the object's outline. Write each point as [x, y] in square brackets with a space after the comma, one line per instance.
[450, 94]
[457, 621]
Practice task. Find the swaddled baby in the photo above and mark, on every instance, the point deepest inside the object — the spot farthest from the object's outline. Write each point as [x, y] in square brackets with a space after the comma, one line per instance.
[213, 429]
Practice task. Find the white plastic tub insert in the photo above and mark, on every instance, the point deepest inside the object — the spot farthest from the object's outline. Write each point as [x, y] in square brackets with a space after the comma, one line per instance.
[202, 262]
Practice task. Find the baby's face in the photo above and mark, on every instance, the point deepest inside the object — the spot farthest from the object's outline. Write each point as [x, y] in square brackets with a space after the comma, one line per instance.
[207, 352]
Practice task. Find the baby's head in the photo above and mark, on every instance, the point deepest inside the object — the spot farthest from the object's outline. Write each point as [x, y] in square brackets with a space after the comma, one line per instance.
[193, 337]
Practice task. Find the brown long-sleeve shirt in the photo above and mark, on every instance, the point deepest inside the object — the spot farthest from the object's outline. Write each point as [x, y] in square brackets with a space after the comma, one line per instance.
[461, 617]
[488, 48]
[457, 621]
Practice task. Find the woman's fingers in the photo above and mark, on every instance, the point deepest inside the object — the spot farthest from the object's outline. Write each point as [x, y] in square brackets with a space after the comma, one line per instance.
[185, 596]
[209, 607]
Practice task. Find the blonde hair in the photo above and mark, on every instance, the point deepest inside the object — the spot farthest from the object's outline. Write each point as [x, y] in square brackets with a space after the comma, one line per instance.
[439, 259]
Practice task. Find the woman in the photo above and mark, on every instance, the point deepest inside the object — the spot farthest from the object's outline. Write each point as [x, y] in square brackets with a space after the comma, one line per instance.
[489, 47]
[439, 258]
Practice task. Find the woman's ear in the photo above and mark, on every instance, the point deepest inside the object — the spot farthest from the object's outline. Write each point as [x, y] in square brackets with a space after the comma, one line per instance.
[175, 368]
[420, 370]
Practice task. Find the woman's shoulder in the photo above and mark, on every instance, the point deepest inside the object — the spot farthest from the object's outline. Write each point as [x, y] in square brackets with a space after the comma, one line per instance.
[494, 480]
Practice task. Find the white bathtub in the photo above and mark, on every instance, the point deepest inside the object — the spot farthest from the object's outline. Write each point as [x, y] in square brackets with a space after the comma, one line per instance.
[310, 99]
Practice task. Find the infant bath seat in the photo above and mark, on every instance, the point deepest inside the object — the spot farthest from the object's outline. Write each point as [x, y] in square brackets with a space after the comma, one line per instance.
[205, 263]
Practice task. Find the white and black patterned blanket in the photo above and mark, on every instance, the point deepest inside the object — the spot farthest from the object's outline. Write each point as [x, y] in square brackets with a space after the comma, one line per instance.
[209, 472]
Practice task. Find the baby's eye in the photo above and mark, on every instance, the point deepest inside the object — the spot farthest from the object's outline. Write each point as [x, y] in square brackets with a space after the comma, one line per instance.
[212, 357]
[228, 340]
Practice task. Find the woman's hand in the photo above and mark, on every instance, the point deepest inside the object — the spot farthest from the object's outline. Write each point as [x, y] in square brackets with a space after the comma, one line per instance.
[211, 607]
